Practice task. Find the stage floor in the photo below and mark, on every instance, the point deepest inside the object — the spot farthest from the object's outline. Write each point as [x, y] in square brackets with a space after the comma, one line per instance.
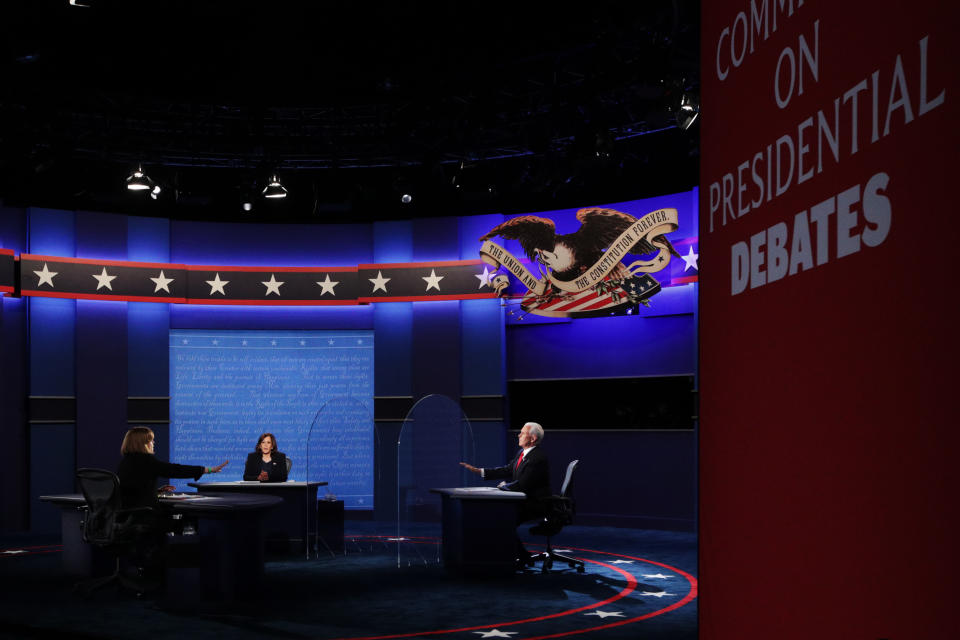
[638, 583]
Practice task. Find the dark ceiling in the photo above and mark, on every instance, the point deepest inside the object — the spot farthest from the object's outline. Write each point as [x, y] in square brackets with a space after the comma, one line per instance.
[469, 107]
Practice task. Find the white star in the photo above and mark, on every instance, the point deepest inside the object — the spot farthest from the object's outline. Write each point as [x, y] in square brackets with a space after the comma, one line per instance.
[273, 343]
[622, 562]
[690, 259]
[217, 285]
[359, 341]
[379, 282]
[605, 614]
[272, 286]
[46, 276]
[484, 277]
[303, 343]
[243, 343]
[162, 282]
[14, 551]
[655, 575]
[103, 280]
[330, 342]
[658, 594]
[215, 342]
[496, 633]
[433, 280]
[185, 341]
[328, 286]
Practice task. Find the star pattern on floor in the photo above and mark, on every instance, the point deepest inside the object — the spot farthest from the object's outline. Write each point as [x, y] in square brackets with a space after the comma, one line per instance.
[496, 633]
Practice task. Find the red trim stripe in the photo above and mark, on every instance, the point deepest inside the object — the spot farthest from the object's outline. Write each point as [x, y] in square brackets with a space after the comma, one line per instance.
[201, 267]
[465, 296]
[291, 303]
[416, 265]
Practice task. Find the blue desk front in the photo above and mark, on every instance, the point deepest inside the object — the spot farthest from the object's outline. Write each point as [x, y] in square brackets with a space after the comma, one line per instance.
[229, 536]
[290, 527]
[479, 529]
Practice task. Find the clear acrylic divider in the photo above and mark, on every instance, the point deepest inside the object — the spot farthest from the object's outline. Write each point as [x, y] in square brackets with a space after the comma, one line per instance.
[340, 450]
[434, 438]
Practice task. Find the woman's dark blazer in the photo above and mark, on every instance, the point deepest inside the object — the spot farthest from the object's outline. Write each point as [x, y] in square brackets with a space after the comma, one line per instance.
[138, 474]
[278, 467]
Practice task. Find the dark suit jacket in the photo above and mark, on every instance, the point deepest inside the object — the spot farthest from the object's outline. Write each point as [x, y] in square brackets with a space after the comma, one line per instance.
[532, 477]
[277, 471]
[138, 474]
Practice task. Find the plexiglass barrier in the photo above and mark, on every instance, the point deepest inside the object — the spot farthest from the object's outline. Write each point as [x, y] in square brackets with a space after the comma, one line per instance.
[340, 450]
[435, 437]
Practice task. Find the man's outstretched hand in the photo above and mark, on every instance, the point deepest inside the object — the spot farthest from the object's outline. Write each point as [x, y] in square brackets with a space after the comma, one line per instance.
[470, 467]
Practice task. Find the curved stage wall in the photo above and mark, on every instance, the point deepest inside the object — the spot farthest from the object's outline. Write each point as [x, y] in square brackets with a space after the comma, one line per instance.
[78, 371]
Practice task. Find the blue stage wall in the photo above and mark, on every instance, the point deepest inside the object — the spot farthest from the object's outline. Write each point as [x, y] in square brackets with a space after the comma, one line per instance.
[111, 358]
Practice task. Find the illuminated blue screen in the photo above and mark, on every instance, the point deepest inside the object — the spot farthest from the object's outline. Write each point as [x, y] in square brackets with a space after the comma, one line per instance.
[228, 387]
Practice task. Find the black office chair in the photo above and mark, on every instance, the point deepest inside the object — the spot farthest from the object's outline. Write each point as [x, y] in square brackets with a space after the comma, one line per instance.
[559, 512]
[289, 465]
[110, 527]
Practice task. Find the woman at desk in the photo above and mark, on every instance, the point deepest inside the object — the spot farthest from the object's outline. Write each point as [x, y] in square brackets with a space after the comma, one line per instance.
[139, 469]
[266, 464]
[138, 472]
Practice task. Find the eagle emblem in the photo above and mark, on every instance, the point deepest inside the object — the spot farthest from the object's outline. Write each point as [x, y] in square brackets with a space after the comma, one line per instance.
[582, 273]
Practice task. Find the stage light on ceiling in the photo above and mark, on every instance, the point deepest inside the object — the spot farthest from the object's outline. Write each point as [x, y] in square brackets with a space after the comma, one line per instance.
[138, 180]
[688, 112]
[274, 189]
[406, 198]
[247, 206]
[155, 192]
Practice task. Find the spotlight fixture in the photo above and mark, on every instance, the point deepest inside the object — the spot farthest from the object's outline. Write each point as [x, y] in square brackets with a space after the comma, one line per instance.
[138, 180]
[406, 198]
[274, 189]
[688, 112]
[247, 206]
[155, 192]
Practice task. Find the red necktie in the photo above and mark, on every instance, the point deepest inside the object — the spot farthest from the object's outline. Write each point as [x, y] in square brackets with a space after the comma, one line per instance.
[519, 460]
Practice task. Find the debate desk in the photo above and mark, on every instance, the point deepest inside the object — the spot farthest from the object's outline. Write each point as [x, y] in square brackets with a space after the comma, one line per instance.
[229, 536]
[291, 526]
[479, 529]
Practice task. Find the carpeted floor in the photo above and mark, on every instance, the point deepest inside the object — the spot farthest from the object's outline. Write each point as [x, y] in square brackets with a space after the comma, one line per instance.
[637, 584]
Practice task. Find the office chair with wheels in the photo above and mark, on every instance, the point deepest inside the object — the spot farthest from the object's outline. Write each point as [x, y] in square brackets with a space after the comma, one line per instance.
[289, 466]
[559, 512]
[110, 527]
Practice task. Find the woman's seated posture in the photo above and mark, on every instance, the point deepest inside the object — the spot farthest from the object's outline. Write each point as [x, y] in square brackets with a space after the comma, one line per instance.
[266, 464]
[138, 472]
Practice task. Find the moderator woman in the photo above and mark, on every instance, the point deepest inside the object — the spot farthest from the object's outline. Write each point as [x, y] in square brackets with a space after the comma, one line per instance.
[139, 469]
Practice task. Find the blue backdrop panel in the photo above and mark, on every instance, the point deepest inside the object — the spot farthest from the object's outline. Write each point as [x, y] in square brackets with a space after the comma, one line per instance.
[482, 347]
[288, 245]
[201, 316]
[228, 387]
[394, 324]
[436, 348]
[603, 348]
[101, 382]
[147, 362]
[52, 323]
[393, 242]
[51, 232]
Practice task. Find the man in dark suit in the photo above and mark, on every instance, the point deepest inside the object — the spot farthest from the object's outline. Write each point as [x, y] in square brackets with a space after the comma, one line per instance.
[528, 472]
